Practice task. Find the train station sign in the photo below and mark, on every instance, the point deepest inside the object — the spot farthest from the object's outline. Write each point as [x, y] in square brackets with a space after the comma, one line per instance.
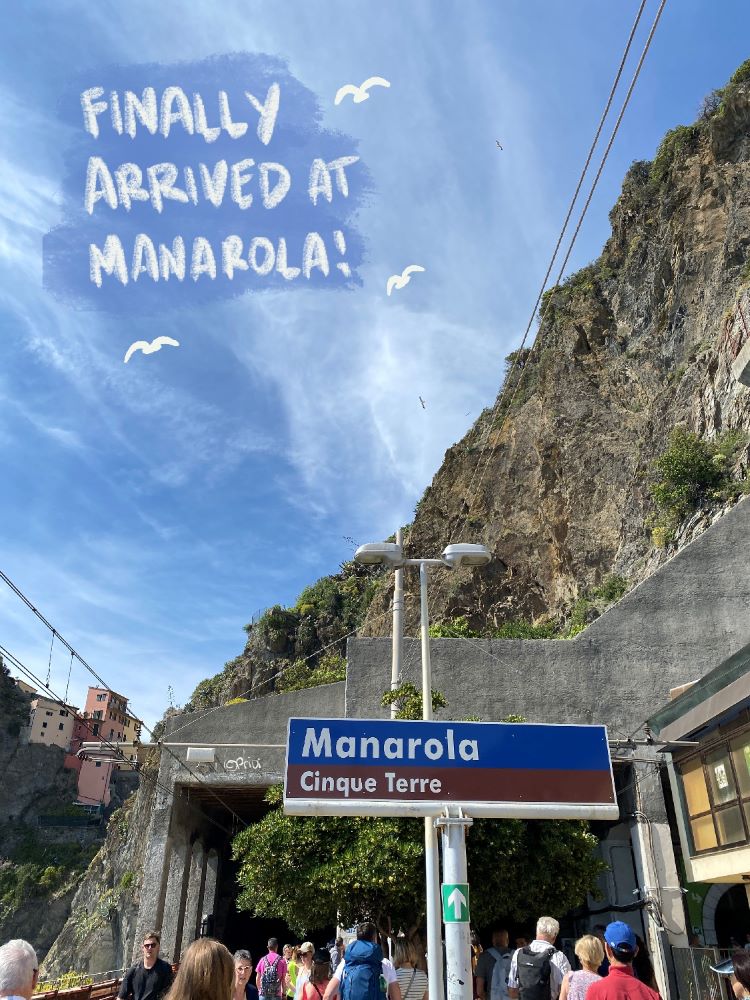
[369, 767]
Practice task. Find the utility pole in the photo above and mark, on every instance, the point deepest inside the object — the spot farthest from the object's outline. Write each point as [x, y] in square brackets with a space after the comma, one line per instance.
[431, 857]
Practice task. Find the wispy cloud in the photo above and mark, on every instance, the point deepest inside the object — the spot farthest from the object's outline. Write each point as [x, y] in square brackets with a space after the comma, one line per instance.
[150, 508]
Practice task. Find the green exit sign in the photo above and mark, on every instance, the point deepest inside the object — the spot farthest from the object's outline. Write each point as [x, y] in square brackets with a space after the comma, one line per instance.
[455, 902]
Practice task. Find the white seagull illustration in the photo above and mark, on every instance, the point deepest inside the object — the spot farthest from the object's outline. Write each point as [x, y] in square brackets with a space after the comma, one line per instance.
[155, 345]
[359, 94]
[399, 280]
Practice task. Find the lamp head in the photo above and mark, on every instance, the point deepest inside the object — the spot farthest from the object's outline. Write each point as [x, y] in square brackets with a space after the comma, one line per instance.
[379, 552]
[466, 554]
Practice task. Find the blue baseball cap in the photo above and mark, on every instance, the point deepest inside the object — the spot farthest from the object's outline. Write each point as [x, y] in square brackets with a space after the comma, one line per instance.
[620, 937]
[725, 968]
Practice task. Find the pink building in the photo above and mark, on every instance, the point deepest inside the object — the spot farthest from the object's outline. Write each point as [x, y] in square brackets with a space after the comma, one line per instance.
[106, 712]
[106, 718]
[93, 782]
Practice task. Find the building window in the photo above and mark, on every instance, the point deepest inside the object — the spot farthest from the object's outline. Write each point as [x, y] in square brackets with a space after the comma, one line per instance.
[48, 713]
[97, 714]
[44, 725]
[717, 795]
[101, 697]
[98, 763]
[63, 713]
[61, 725]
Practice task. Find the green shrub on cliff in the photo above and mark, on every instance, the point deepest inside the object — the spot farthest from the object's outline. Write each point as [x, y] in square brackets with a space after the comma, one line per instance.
[675, 145]
[689, 472]
[516, 628]
[454, 628]
[38, 870]
[304, 674]
[306, 642]
[520, 628]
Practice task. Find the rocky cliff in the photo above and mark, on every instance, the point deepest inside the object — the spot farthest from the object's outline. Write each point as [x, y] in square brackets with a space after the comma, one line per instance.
[555, 479]
[99, 933]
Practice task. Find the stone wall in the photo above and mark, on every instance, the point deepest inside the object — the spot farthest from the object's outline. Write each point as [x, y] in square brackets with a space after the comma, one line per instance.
[673, 628]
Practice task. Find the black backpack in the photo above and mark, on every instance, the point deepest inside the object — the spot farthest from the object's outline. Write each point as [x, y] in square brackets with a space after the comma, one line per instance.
[534, 969]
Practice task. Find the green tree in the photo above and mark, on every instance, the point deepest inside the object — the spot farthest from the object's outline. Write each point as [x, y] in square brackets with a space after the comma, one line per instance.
[373, 868]
[409, 701]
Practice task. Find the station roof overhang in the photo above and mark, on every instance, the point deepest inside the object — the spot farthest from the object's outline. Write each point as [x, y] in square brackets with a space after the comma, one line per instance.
[710, 702]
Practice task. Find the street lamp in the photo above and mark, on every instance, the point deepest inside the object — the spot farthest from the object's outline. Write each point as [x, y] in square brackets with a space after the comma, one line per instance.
[453, 556]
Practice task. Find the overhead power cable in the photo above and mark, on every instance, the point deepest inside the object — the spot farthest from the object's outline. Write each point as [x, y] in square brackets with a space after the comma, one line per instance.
[571, 206]
[506, 391]
[183, 764]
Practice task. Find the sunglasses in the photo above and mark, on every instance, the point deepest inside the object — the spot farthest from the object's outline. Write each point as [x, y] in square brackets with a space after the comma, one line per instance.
[150, 944]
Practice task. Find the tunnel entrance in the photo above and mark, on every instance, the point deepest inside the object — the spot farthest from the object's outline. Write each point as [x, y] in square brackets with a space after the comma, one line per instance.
[240, 928]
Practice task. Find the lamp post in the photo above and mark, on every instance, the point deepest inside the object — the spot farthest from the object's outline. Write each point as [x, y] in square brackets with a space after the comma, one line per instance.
[453, 556]
[397, 653]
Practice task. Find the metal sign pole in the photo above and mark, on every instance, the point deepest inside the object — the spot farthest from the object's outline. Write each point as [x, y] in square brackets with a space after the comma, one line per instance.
[455, 900]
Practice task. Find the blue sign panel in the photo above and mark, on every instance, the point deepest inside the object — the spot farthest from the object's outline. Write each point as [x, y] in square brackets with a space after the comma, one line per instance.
[369, 767]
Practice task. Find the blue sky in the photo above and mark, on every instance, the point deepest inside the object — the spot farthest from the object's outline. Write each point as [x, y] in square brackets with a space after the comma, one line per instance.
[150, 509]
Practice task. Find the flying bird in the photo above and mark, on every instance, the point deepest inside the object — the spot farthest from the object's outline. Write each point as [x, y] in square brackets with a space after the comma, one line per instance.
[498, 142]
[359, 94]
[423, 403]
[399, 280]
[155, 345]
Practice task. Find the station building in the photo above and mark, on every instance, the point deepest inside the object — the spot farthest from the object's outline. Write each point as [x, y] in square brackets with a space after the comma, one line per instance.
[678, 626]
[708, 726]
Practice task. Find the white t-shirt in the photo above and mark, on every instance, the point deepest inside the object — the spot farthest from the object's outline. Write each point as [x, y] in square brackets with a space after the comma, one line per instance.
[559, 965]
[389, 973]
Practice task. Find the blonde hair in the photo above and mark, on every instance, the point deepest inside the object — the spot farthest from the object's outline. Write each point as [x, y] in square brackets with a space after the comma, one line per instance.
[589, 949]
[403, 952]
[206, 973]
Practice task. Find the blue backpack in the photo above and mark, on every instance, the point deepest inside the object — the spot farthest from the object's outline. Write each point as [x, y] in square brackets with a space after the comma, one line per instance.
[363, 970]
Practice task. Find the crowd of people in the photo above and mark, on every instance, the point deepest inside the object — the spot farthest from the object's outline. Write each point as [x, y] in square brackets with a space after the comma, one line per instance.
[534, 970]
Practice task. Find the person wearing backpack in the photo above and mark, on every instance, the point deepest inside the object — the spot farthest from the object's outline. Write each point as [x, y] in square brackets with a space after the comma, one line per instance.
[272, 979]
[364, 974]
[493, 968]
[537, 971]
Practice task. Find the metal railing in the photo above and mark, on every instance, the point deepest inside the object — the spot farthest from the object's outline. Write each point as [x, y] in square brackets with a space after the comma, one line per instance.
[695, 980]
[98, 984]
[78, 821]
